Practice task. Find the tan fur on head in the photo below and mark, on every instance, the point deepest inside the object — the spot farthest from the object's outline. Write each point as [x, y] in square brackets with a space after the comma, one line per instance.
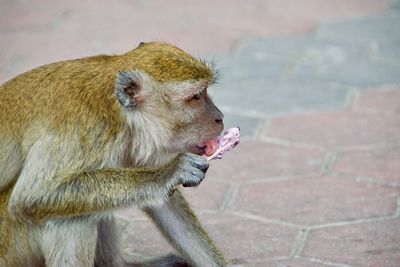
[168, 63]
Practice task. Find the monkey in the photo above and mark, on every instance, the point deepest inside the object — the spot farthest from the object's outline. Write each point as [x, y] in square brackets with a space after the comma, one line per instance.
[82, 138]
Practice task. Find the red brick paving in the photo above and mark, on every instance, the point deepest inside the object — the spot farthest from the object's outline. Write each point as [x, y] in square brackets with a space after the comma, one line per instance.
[317, 189]
[288, 263]
[316, 200]
[381, 164]
[337, 130]
[261, 240]
[386, 99]
[38, 32]
[368, 244]
[265, 161]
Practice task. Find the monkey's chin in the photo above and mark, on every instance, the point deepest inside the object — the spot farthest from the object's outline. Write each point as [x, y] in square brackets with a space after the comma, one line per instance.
[198, 150]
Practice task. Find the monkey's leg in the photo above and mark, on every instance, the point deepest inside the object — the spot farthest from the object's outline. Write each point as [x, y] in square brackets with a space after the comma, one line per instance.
[108, 251]
[180, 226]
[69, 242]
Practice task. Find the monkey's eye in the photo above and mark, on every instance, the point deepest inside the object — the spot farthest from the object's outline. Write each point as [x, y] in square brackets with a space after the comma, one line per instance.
[198, 95]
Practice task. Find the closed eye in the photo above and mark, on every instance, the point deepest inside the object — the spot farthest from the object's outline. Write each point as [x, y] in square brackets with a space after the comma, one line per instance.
[197, 96]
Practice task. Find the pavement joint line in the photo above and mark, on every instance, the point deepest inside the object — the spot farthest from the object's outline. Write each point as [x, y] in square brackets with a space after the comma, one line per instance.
[281, 178]
[324, 262]
[328, 162]
[258, 260]
[282, 142]
[264, 220]
[364, 179]
[300, 242]
[371, 111]
[233, 47]
[229, 197]
[262, 129]
[398, 208]
[351, 99]
[267, 259]
[385, 87]
[369, 147]
[356, 221]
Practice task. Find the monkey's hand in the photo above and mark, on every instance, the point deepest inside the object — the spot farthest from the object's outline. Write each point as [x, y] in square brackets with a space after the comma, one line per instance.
[191, 170]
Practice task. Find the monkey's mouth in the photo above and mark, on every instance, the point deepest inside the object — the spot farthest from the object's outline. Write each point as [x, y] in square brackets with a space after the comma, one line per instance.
[207, 148]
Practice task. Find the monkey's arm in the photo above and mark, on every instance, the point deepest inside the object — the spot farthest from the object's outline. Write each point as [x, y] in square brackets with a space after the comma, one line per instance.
[180, 226]
[96, 191]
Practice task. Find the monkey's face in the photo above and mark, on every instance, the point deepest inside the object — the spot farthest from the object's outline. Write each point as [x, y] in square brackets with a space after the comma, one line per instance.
[167, 92]
[195, 118]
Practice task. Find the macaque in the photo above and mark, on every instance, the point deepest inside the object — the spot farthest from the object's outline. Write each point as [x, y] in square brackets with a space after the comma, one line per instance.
[81, 138]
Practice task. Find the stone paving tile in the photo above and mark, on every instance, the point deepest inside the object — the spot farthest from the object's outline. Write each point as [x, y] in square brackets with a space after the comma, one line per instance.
[316, 10]
[141, 240]
[272, 73]
[395, 5]
[336, 130]
[254, 160]
[16, 16]
[272, 48]
[208, 196]
[371, 33]
[106, 28]
[288, 263]
[235, 69]
[31, 49]
[251, 239]
[248, 124]
[368, 244]
[263, 97]
[382, 164]
[385, 98]
[244, 240]
[362, 30]
[316, 200]
[356, 52]
[261, 58]
[356, 73]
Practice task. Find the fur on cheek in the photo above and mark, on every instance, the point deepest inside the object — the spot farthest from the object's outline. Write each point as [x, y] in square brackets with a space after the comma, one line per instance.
[151, 136]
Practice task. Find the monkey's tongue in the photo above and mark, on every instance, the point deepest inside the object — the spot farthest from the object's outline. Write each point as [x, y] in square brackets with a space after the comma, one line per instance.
[210, 146]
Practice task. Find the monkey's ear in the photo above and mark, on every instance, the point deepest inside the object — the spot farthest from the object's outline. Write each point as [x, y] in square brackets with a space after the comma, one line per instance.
[128, 88]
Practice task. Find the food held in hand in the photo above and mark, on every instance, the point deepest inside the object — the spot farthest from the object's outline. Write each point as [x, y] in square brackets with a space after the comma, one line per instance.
[217, 147]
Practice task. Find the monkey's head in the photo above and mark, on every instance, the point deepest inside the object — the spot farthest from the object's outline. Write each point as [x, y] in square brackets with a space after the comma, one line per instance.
[165, 91]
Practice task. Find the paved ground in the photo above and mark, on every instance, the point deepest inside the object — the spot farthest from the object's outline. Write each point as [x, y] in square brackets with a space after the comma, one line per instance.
[315, 87]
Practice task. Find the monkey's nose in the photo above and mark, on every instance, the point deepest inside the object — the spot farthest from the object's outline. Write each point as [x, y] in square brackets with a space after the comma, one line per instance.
[218, 120]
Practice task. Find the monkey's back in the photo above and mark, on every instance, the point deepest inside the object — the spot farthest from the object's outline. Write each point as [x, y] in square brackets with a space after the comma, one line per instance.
[79, 90]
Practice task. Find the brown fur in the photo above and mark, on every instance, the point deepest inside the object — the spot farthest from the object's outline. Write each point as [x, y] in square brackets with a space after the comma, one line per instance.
[70, 153]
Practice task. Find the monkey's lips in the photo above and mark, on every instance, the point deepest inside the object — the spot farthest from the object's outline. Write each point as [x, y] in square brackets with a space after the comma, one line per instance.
[207, 148]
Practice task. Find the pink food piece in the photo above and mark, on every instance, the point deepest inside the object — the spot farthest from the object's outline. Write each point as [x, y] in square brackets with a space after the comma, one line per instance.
[217, 147]
[211, 146]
